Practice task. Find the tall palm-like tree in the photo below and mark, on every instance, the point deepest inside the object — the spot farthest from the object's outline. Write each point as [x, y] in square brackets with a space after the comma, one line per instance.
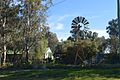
[112, 30]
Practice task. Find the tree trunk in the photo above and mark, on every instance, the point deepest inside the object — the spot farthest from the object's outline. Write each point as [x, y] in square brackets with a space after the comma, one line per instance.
[4, 55]
[14, 57]
[0, 59]
[22, 56]
[4, 45]
[27, 52]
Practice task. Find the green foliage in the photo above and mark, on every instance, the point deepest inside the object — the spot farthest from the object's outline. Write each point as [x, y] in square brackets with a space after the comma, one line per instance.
[112, 58]
[112, 30]
[8, 18]
[68, 50]
[52, 40]
[39, 49]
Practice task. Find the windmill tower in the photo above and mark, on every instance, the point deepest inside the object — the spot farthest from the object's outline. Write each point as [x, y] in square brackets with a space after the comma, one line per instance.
[79, 23]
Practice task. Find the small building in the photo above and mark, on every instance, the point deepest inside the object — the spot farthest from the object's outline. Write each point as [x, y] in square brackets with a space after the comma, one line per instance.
[49, 54]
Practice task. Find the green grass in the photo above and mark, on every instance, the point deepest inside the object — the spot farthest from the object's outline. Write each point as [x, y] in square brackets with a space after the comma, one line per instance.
[90, 74]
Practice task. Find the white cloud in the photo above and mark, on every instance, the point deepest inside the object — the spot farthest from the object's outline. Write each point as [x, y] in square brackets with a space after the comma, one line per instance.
[63, 35]
[56, 26]
[56, 22]
[101, 33]
[59, 26]
[61, 18]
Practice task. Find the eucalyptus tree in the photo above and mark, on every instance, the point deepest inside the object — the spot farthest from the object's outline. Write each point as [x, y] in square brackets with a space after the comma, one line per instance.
[33, 22]
[52, 40]
[8, 17]
[22, 25]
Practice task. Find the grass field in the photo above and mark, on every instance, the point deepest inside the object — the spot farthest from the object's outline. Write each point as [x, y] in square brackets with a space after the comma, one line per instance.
[93, 74]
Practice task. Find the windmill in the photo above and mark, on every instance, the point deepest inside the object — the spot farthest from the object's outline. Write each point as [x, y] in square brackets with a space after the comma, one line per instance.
[79, 30]
[79, 27]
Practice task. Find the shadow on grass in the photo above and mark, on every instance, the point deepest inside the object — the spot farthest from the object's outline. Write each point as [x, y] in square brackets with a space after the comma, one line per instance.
[59, 74]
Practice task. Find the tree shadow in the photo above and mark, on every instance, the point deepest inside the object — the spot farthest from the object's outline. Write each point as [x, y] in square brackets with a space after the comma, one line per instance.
[61, 74]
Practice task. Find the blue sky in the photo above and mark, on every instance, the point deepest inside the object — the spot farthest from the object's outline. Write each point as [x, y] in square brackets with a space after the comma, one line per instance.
[97, 12]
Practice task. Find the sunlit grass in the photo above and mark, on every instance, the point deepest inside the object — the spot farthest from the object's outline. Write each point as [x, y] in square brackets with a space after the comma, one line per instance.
[62, 74]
